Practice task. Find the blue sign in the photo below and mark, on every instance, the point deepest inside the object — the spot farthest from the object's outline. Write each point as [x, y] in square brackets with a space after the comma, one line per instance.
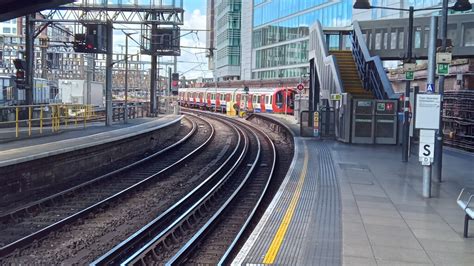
[430, 88]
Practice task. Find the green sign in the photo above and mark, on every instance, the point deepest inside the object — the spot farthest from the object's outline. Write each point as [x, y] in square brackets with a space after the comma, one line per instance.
[442, 69]
[410, 75]
[381, 107]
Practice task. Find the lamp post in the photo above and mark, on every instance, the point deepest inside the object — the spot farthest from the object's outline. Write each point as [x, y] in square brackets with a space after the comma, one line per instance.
[460, 5]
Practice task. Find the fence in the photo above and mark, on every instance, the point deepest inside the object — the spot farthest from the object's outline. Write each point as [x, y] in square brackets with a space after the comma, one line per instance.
[38, 118]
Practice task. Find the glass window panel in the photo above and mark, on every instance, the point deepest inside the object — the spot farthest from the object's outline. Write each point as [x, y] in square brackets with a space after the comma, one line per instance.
[468, 34]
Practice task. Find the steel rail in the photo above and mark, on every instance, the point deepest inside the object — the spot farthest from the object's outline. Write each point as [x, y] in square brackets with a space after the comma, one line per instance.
[38, 203]
[162, 235]
[180, 256]
[43, 232]
[228, 255]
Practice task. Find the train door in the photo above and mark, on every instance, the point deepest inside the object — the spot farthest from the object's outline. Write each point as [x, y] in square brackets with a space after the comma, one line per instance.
[256, 103]
[238, 99]
[262, 103]
[218, 101]
[279, 101]
[201, 98]
[249, 102]
[290, 101]
[208, 103]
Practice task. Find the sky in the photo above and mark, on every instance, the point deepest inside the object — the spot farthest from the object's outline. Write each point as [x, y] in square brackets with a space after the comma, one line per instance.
[192, 63]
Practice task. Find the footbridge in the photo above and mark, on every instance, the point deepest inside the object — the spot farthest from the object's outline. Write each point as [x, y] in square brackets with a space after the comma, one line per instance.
[347, 74]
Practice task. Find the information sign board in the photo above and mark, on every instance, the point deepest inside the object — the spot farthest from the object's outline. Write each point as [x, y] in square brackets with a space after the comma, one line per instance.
[427, 111]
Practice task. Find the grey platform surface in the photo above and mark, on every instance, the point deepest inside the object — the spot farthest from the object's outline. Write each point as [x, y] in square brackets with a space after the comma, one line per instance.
[360, 205]
[69, 140]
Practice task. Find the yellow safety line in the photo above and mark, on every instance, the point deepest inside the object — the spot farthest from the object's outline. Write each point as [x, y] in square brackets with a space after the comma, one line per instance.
[280, 235]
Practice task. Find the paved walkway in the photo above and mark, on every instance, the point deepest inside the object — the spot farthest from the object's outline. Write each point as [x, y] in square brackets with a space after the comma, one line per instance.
[385, 218]
[377, 213]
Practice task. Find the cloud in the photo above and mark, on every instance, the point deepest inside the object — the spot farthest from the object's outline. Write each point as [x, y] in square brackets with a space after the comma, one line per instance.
[194, 20]
[192, 63]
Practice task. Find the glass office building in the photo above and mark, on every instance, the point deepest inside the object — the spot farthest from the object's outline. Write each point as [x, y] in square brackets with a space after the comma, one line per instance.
[280, 33]
[224, 25]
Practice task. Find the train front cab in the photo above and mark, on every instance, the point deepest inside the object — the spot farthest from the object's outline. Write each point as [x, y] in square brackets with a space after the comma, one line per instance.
[284, 101]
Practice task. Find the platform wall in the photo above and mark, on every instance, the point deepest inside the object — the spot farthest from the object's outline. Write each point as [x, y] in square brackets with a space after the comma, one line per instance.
[37, 176]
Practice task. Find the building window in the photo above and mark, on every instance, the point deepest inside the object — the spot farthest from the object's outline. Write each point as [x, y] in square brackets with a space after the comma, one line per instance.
[6, 30]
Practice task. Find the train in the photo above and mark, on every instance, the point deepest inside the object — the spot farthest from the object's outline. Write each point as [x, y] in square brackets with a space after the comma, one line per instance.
[257, 100]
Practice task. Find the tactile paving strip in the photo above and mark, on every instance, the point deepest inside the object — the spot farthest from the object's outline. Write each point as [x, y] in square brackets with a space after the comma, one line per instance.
[314, 235]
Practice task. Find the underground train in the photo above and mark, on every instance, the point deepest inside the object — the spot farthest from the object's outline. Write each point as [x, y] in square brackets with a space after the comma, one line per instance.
[258, 100]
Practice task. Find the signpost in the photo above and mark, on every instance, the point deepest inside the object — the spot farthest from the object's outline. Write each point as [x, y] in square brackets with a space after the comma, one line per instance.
[443, 60]
[427, 120]
[430, 88]
[316, 124]
[442, 69]
[300, 87]
[409, 70]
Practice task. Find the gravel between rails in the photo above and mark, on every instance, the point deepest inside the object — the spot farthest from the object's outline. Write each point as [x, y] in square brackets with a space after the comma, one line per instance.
[85, 240]
[87, 175]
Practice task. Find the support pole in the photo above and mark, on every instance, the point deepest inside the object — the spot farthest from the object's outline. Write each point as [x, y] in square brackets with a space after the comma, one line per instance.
[427, 181]
[432, 50]
[125, 114]
[154, 67]
[431, 80]
[406, 123]
[30, 57]
[90, 63]
[438, 156]
[108, 75]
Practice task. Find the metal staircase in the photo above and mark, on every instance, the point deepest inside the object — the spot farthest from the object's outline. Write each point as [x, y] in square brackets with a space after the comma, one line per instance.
[351, 81]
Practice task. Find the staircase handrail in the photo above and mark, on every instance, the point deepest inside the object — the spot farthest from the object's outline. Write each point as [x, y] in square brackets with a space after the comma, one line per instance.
[326, 64]
[370, 68]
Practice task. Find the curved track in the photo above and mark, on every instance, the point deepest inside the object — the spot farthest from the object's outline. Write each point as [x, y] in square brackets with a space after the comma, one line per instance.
[34, 221]
[184, 210]
[212, 224]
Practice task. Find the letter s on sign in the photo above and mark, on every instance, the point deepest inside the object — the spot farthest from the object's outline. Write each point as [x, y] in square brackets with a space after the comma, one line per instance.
[427, 150]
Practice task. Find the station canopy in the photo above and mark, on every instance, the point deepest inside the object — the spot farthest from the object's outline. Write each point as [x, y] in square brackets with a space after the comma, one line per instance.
[10, 9]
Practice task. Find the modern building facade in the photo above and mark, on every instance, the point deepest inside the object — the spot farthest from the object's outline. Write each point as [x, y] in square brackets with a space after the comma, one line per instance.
[272, 35]
[265, 39]
[224, 24]
[280, 34]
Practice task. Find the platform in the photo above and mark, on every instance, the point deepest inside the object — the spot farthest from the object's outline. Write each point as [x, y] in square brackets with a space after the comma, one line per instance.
[71, 139]
[360, 205]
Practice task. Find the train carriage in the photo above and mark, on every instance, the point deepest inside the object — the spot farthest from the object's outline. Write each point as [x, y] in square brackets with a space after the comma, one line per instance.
[259, 100]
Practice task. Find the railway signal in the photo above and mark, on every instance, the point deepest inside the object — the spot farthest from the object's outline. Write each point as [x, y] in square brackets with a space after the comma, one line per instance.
[20, 66]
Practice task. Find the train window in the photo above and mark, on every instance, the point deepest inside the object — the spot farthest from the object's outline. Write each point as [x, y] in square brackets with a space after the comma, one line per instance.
[279, 97]
[271, 99]
[256, 98]
[222, 97]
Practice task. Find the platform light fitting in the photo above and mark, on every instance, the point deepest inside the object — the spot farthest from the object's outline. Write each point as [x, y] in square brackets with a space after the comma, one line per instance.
[362, 4]
[462, 5]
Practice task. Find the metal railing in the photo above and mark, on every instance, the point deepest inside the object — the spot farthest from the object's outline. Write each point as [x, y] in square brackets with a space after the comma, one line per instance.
[370, 68]
[327, 71]
[38, 118]
[138, 110]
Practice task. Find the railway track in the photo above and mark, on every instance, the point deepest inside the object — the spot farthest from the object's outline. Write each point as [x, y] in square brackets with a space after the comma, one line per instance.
[213, 224]
[34, 221]
[163, 229]
[200, 211]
